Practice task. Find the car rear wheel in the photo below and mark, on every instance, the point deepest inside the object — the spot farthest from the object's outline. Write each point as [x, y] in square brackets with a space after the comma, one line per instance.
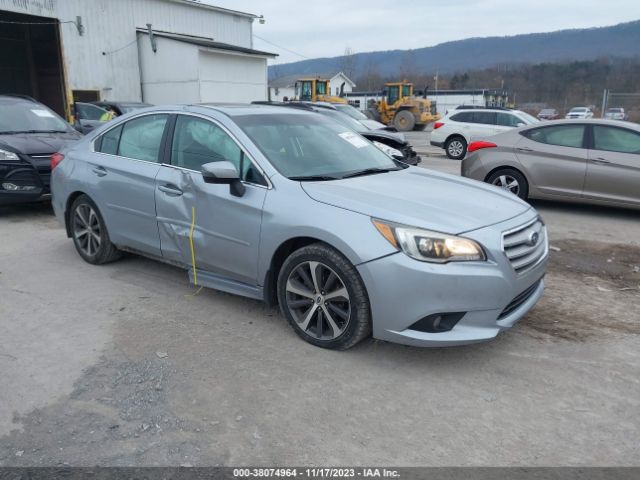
[456, 148]
[510, 180]
[323, 298]
[89, 233]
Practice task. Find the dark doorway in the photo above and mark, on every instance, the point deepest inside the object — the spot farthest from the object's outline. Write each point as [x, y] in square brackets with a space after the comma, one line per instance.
[30, 59]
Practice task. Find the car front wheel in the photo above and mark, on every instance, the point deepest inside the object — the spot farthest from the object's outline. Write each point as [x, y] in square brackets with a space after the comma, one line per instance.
[510, 180]
[323, 298]
[89, 232]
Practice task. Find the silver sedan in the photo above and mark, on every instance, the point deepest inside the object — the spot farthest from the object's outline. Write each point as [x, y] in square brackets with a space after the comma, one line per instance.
[289, 207]
[593, 161]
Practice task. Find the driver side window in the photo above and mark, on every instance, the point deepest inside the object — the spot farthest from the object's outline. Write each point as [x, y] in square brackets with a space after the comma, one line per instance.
[197, 141]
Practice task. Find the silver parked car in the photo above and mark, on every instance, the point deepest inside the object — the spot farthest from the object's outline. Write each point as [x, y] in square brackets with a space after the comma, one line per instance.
[594, 161]
[288, 206]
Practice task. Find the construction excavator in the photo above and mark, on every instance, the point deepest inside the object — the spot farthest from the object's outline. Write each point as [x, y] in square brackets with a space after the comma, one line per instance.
[316, 90]
[401, 109]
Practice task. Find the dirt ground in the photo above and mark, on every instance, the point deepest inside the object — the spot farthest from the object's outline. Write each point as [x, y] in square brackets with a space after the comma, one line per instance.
[126, 364]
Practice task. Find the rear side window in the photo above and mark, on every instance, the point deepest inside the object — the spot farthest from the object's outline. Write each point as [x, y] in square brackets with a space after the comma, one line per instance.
[109, 141]
[613, 139]
[508, 120]
[464, 117]
[561, 135]
[141, 137]
[486, 118]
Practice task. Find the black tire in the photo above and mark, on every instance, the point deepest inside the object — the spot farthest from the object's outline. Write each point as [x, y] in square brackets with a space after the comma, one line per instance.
[456, 147]
[89, 232]
[318, 329]
[505, 177]
[404, 121]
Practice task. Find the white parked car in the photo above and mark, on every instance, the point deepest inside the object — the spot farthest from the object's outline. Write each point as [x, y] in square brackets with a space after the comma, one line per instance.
[579, 112]
[461, 127]
[615, 114]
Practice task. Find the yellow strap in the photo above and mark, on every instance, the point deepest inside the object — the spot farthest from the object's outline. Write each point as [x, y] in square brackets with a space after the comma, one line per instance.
[193, 251]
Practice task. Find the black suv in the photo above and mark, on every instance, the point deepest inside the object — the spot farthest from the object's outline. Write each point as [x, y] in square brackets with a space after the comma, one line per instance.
[29, 134]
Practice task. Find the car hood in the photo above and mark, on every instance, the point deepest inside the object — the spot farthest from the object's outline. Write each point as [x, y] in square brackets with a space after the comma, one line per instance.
[384, 135]
[422, 198]
[38, 143]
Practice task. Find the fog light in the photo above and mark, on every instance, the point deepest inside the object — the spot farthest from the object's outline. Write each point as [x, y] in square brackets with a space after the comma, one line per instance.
[14, 188]
[438, 322]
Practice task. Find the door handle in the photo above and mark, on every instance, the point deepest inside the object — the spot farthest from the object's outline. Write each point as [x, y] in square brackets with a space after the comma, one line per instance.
[600, 161]
[524, 149]
[170, 190]
[99, 171]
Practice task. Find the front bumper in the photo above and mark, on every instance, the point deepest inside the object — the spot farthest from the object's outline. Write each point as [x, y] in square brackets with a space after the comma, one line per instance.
[33, 183]
[403, 291]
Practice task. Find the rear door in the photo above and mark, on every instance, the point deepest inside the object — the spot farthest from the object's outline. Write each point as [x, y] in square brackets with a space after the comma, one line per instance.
[122, 173]
[483, 126]
[613, 172]
[225, 229]
[555, 158]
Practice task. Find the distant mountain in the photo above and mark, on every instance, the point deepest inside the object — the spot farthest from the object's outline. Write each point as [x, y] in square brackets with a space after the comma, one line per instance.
[622, 40]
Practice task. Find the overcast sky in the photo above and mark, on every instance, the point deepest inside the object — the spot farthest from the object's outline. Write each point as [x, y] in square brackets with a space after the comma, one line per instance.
[324, 28]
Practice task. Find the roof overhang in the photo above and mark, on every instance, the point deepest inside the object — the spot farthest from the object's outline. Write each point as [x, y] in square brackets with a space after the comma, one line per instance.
[207, 6]
[208, 43]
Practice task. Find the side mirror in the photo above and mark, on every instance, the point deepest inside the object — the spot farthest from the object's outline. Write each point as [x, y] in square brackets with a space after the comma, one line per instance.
[520, 124]
[223, 173]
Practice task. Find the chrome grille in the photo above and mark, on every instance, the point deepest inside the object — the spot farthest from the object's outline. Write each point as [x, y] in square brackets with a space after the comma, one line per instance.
[526, 245]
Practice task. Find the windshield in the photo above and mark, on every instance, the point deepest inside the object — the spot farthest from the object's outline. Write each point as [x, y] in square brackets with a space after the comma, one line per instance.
[345, 120]
[351, 111]
[17, 115]
[312, 145]
[87, 111]
[528, 118]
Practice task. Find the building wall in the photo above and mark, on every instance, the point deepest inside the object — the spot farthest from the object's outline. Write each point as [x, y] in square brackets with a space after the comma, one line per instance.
[162, 80]
[110, 27]
[230, 77]
[335, 84]
[278, 96]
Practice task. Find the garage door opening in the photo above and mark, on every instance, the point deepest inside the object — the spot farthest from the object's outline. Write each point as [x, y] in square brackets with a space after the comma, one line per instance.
[30, 59]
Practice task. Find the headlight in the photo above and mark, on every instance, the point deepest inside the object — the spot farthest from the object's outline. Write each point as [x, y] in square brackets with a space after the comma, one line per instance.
[392, 152]
[428, 246]
[4, 155]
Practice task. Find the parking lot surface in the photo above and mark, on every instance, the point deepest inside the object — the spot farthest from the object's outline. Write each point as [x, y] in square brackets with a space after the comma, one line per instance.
[127, 364]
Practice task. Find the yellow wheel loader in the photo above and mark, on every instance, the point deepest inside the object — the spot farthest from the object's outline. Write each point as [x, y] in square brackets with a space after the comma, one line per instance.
[399, 108]
[315, 90]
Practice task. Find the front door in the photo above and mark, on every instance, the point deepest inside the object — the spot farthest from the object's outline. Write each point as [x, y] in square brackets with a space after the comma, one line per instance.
[555, 158]
[613, 172]
[223, 229]
[122, 175]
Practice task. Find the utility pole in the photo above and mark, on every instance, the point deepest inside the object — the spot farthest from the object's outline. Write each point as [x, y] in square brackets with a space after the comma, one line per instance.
[605, 99]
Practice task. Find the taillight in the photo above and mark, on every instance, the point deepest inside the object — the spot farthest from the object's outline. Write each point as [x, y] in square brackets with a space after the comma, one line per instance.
[56, 158]
[437, 125]
[473, 146]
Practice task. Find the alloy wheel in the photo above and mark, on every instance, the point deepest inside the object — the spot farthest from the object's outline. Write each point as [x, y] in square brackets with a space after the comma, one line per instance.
[456, 148]
[507, 182]
[318, 300]
[87, 229]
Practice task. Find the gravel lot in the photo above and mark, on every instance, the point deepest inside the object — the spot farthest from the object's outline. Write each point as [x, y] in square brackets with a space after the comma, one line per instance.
[126, 364]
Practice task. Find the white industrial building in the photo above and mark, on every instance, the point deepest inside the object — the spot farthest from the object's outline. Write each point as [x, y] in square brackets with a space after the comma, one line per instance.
[284, 87]
[446, 100]
[156, 51]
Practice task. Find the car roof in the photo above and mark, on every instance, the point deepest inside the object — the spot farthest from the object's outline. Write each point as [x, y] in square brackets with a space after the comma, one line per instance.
[580, 121]
[239, 109]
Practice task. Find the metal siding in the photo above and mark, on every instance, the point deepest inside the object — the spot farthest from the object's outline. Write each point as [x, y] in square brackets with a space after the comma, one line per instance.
[231, 77]
[111, 25]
